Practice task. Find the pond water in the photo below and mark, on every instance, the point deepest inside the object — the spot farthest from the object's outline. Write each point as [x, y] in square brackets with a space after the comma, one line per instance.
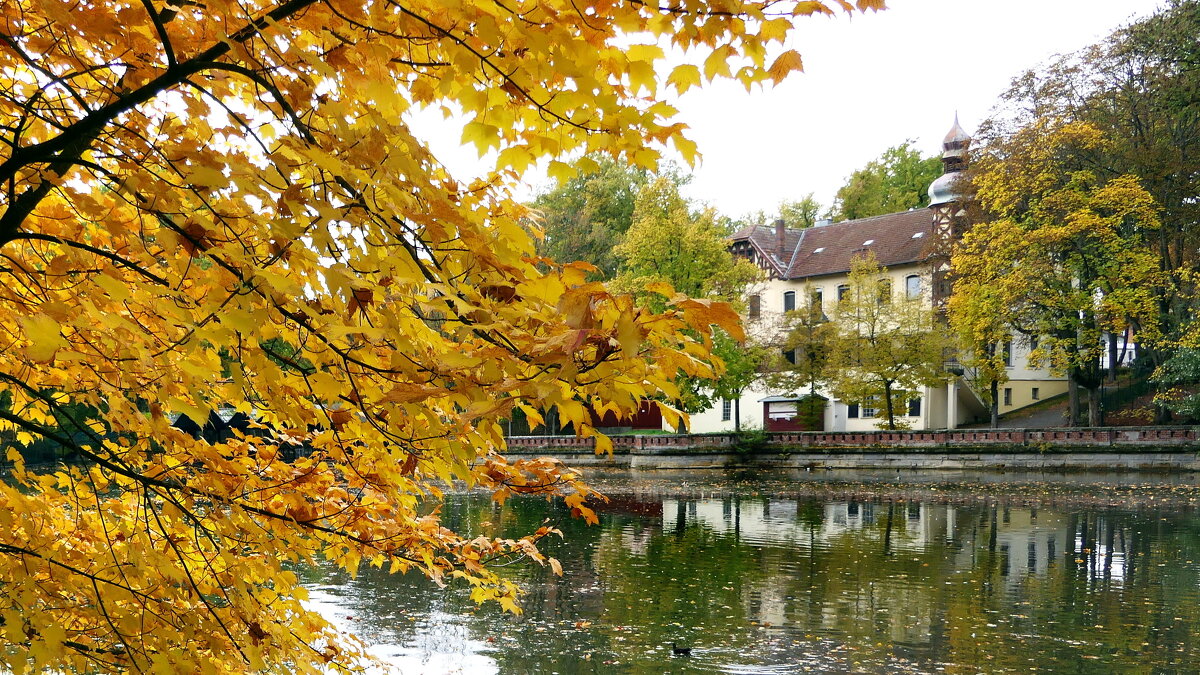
[830, 573]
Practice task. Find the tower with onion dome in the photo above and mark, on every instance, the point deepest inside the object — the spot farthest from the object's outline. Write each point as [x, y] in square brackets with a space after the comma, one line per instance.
[946, 195]
[947, 204]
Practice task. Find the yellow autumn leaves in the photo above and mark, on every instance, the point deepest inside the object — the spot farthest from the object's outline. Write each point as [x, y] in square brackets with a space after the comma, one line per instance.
[223, 207]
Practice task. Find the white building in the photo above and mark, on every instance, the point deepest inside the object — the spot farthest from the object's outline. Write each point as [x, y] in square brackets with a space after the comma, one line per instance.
[813, 264]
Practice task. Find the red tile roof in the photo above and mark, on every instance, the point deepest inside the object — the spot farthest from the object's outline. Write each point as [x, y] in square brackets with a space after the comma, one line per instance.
[891, 238]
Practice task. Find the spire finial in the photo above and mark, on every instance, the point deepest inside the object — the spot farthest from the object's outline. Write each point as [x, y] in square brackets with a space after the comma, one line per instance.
[954, 160]
[956, 138]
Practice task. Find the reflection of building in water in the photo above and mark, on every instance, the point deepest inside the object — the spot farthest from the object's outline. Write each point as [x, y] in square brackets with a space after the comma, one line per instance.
[637, 539]
[886, 570]
[756, 520]
[1107, 555]
[774, 521]
[908, 526]
[1028, 541]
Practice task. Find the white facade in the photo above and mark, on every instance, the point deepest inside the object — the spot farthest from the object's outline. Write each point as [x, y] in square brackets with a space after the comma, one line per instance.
[945, 406]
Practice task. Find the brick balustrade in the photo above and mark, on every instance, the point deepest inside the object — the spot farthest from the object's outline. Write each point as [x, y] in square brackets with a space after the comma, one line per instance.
[894, 441]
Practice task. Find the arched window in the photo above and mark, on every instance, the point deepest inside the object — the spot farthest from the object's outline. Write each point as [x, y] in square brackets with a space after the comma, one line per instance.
[885, 291]
[842, 291]
[912, 287]
[789, 301]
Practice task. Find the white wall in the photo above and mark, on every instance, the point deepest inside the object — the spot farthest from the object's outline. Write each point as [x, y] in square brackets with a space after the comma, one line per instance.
[710, 421]
[935, 404]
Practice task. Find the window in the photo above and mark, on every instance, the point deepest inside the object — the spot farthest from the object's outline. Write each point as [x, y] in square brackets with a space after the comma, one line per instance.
[789, 301]
[1007, 353]
[818, 249]
[842, 291]
[817, 299]
[789, 355]
[852, 410]
[868, 407]
[1033, 342]
[1037, 395]
[726, 410]
[781, 410]
[1008, 396]
[912, 287]
[914, 407]
[755, 306]
[941, 285]
[868, 242]
[885, 291]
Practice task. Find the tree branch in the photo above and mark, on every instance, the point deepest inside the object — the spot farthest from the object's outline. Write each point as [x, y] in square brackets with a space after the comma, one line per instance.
[116, 258]
[64, 149]
[161, 29]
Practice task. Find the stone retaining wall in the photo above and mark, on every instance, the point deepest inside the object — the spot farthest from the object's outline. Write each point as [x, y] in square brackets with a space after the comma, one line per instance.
[1123, 448]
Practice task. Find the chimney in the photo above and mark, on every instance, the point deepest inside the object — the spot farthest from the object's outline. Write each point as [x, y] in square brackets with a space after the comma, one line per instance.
[780, 231]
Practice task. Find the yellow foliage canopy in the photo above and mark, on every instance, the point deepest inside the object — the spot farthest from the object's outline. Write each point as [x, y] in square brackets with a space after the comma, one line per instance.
[1064, 257]
[220, 203]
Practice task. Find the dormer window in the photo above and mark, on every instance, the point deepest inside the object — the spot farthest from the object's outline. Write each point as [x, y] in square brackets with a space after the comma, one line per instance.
[918, 235]
[818, 249]
[868, 242]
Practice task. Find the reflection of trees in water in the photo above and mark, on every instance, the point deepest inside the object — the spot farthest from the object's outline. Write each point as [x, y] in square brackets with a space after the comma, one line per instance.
[995, 586]
[956, 584]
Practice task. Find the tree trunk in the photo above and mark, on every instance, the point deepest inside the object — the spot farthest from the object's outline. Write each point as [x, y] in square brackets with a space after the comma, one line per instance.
[1112, 357]
[737, 414]
[887, 530]
[1072, 402]
[887, 400]
[995, 405]
[1094, 407]
[1162, 415]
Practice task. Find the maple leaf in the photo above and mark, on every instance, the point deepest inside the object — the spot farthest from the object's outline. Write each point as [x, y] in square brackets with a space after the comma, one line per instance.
[44, 337]
[684, 77]
[784, 64]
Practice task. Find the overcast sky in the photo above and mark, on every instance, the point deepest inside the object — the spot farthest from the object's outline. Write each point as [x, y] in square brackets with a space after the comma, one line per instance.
[870, 82]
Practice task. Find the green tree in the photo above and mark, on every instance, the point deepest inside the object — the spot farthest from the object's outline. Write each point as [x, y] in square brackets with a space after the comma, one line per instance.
[807, 334]
[982, 326]
[796, 214]
[1178, 379]
[886, 348]
[585, 217]
[669, 243]
[897, 180]
[1064, 257]
[743, 363]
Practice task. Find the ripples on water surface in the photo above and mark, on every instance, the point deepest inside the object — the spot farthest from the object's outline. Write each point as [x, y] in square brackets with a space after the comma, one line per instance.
[828, 573]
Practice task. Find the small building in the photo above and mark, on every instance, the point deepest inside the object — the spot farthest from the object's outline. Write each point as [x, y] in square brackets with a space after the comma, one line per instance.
[812, 266]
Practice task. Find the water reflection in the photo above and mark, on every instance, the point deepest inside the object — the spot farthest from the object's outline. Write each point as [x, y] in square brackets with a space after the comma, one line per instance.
[772, 582]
